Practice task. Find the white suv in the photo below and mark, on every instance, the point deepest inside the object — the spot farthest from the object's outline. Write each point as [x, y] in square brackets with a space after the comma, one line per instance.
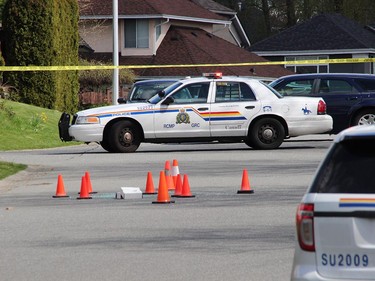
[336, 218]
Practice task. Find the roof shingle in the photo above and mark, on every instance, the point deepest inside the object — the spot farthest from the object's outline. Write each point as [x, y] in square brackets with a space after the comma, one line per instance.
[185, 8]
[183, 45]
[322, 32]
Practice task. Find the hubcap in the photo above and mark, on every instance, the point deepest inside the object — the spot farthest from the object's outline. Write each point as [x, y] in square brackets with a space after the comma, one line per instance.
[268, 134]
[127, 137]
[368, 119]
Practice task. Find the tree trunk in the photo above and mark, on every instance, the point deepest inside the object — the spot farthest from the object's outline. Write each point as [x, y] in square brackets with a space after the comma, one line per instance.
[266, 13]
[290, 13]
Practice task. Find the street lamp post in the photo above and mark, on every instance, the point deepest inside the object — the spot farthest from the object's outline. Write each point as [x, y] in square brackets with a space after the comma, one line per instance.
[115, 81]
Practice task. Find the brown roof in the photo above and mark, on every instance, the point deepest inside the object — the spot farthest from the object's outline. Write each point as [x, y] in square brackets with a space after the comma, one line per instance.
[183, 8]
[195, 46]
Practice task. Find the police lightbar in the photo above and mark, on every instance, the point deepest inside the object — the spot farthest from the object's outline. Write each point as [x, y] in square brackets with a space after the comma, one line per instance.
[214, 75]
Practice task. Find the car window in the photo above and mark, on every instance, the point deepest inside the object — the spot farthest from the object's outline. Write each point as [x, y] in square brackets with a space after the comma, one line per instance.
[192, 93]
[349, 168]
[296, 87]
[368, 85]
[233, 91]
[156, 98]
[144, 91]
[335, 85]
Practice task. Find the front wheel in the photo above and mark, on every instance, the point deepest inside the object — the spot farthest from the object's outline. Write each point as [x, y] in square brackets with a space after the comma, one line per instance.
[365, 117]
[267, 133]
[124, 137]
[106, 144]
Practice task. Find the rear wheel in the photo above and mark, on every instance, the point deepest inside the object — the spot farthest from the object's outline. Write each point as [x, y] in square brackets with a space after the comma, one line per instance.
[124, 137]
[267, 133]
[365, 117]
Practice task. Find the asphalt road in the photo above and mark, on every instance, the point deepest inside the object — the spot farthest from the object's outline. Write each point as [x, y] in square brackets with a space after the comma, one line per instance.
[217, 235]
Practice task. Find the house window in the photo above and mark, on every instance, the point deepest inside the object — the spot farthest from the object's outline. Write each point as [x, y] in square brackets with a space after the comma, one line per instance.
[157, 29]
[307, 68]
[136, 34]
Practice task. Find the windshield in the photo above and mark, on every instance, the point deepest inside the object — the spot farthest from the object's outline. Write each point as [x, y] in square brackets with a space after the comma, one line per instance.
[155, 99]
[144, 91]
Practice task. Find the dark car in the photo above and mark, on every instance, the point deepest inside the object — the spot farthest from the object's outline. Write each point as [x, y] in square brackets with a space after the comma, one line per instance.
[350, 98]
[143, 90]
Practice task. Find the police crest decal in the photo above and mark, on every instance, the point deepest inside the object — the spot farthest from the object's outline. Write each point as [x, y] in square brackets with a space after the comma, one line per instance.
[182, 117]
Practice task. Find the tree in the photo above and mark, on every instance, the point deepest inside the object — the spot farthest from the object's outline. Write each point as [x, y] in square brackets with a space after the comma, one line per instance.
[262, 18]
[42, 33]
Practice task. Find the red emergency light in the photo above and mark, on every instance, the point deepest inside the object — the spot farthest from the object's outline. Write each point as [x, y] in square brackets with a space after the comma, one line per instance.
[214, 75]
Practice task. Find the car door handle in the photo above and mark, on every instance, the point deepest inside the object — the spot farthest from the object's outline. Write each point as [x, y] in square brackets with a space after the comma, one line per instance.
[352, 98]
[250, 107]
[203, 109]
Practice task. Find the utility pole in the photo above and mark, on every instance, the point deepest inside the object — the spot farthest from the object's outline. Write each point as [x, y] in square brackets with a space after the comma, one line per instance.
[115, 81]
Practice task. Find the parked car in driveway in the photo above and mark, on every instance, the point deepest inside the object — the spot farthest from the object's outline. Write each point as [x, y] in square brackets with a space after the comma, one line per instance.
[143, 90]
[335, 221]
[211, 108]
[350, 98]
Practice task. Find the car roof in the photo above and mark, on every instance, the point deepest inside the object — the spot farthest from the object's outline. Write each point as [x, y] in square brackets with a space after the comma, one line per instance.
[223, 78]
[330, 75]
[356, 132]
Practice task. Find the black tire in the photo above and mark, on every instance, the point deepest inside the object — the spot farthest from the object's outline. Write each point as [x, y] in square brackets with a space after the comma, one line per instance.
[124, 137]
[267, 133]
[365, 117]
[248, 142]
[106, 144]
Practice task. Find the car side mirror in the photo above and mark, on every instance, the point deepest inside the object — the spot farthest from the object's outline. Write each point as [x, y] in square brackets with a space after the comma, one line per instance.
[121, 100]
[161, 94]
[168, 100]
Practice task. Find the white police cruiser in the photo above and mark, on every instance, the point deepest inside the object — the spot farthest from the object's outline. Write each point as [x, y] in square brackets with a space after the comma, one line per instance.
[336, 218]
[209, 108]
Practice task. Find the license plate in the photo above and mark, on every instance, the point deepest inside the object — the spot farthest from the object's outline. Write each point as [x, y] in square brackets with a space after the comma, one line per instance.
[344, 260]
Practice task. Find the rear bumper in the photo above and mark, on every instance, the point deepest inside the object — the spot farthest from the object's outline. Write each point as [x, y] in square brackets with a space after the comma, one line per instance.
[318, 124]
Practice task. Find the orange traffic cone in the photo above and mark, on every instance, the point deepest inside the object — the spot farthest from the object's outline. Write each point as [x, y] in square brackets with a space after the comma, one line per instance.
[186, 188]
[175, 171]
[88, 183]
[167, 168]
[150, 189]
[178, 190]
[168, 176]
[60, 189]
[245, 186]
[170, 183]
[163, 195]
[84, 194]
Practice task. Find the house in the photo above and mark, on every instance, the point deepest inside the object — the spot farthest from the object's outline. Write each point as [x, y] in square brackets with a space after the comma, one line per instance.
[325, 36]
[171, 32]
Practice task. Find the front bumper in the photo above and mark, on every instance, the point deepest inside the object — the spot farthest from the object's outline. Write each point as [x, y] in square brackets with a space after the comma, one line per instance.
[64, 124]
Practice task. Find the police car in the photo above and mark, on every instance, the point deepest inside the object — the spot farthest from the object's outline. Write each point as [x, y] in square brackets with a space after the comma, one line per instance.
[335, 220]
[209, 108]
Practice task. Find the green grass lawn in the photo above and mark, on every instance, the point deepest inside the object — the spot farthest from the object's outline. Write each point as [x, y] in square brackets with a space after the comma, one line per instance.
[24, 126]
[7, 169]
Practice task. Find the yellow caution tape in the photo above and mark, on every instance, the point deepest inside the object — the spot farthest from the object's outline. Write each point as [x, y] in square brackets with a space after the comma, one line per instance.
[109, 67]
